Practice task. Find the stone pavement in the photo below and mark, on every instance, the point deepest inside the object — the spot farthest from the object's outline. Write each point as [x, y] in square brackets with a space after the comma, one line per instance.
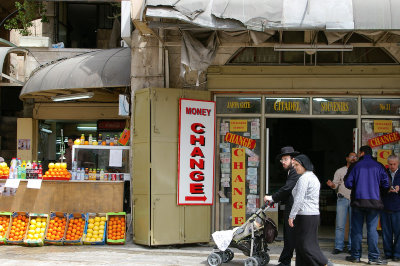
[131, 254]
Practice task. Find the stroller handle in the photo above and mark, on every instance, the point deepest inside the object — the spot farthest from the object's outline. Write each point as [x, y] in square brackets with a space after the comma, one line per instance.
[268, 205]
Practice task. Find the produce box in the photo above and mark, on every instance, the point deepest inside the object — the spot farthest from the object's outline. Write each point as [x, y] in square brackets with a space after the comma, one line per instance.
[36, 232]
[56, 228]
[19, 227]
[75, 228]
[96, 228]
[5, 225]
[116, 228]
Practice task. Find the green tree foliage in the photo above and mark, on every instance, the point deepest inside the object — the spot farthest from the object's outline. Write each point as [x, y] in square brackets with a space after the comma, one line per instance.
[28, 11]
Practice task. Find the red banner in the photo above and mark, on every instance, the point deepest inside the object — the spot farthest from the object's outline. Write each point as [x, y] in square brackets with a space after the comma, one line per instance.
[385, 139]
[239, 140]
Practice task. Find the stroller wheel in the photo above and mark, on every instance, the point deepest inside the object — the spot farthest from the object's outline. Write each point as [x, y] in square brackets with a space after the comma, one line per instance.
[251, 261]
[214, 259]
[227, 255]
[264, 257]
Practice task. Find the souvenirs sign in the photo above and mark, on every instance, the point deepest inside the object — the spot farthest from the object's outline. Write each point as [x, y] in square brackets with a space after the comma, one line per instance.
[385, 139]
[238, 186]
[196, 152]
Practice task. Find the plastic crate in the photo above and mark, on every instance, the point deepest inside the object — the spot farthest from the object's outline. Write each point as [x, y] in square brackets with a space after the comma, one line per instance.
[72, 217]
[42, 233]
[11, 238]
[60, 216]
[5, 216]
[111, 217]
[86, 239]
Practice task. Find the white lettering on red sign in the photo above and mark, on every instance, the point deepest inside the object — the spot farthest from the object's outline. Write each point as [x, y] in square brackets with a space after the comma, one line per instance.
[196, 152]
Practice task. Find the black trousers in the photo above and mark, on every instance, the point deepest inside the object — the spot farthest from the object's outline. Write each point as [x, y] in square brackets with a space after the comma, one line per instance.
[289, 240]
[308, 252]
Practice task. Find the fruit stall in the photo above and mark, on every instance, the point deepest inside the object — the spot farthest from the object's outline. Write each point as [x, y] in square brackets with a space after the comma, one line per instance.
[57, 228]
[41, 188]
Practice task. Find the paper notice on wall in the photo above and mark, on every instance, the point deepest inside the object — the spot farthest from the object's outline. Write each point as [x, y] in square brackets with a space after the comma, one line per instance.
[34, 183]
[252, 164]
[115, 158]
[12, 183]
[224, 128]
[252, 171]
[225, 145]
[225, 160]
[255, 130]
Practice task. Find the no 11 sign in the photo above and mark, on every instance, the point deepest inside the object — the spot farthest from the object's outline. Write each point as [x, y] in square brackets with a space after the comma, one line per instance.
[196, 152]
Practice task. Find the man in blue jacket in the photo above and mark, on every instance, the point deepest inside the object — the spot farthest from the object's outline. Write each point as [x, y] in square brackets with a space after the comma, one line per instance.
[390, 216]
[366, 179]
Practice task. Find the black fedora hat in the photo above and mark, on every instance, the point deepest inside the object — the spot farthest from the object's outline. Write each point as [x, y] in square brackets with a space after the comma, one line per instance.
[287, 150]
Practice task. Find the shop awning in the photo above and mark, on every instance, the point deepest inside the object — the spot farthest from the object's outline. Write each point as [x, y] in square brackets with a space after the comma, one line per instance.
[109, 68]
[261, 15]
[4, 51]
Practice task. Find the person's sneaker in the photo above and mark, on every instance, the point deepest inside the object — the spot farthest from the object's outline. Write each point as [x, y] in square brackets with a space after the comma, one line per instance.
[336, 251]
[377, 261]
[352, 259]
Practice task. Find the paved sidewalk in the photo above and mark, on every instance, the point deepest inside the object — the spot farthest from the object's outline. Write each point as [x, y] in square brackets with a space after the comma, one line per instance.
[131, 254]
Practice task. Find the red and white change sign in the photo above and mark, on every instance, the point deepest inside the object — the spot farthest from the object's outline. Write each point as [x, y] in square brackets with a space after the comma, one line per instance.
[196, 152]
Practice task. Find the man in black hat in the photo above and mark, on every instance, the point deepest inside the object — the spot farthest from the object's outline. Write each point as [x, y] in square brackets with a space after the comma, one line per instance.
[284, 196]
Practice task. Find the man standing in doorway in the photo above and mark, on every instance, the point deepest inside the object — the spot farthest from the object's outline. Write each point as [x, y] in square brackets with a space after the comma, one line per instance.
[366, 180]
[284, 196]
[343, 203]
[390, 216]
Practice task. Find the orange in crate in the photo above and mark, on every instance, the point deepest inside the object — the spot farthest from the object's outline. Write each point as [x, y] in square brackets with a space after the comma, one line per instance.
[18, 228]
[75, 229]
[116, 228]
[56, 228]
[4, 223]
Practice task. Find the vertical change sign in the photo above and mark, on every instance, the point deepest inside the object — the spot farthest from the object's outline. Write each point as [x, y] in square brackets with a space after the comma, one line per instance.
[196, 152]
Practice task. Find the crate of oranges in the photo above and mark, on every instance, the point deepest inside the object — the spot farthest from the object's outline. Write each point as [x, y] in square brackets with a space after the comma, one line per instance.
[116, 228]
[56, 229]
[96, 228]
[19, 226]
[5, 225]
[75, 228]
[36, 229]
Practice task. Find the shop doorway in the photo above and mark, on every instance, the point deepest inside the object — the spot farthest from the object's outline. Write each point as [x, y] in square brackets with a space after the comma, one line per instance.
[325, 141]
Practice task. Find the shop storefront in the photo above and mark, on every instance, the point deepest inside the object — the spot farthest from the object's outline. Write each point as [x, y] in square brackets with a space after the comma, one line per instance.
[77, 98]
[323, 127]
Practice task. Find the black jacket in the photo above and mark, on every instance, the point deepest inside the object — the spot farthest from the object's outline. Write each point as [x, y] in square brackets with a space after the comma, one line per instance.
[284, 194]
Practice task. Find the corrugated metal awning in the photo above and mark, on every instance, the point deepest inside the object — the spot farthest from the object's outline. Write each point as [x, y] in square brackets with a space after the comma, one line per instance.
[98, 69]
[262, 15]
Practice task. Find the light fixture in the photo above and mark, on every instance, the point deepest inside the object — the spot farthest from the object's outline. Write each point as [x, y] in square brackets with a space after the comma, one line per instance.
[69, 97]
[320, 100]
[310, 48]
[86, 127]
[46, 130]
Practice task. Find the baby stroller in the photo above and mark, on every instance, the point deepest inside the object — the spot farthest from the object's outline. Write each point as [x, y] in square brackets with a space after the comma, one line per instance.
[252, 238]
